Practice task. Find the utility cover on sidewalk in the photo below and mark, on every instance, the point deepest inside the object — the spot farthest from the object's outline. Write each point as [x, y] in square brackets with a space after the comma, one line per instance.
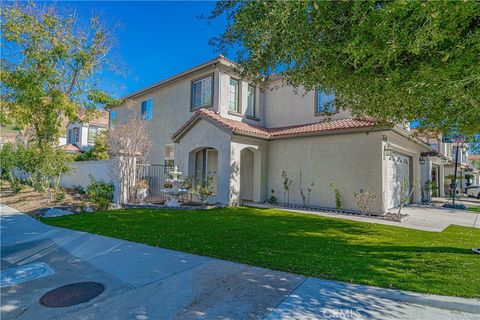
[72, 294]
[25, 273]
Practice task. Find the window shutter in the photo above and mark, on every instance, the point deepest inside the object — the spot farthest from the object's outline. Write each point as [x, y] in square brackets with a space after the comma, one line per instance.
[149, 115]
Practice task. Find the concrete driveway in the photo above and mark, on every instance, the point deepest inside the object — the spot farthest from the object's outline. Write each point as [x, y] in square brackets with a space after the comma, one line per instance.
[421, 217]
[143, 282]
[437, 218]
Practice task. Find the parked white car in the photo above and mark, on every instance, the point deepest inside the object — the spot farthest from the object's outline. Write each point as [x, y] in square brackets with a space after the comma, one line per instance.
[473, 191]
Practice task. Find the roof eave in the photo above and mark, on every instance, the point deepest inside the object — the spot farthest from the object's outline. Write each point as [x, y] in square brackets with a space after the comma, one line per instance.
[219, 59]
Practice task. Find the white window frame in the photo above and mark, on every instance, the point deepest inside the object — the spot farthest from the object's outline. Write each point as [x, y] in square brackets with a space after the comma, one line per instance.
[234, 96]
[203, 104]
[252, 110]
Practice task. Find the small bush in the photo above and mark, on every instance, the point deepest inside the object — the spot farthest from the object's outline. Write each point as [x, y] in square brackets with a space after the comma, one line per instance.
[100, 193]
[60, 196]
[16, 186]
[338, 196]
[78, 189]
[272, 199]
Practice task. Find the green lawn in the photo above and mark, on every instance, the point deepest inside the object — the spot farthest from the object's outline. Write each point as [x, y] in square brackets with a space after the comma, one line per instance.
[364, 253]
[474, 208]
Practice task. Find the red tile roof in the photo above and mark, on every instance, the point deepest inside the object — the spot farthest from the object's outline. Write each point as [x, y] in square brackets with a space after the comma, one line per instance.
[474, 157]
[70, 148]
[244, 128]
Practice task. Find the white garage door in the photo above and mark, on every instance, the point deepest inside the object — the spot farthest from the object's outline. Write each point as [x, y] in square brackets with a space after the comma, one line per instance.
[398, 170]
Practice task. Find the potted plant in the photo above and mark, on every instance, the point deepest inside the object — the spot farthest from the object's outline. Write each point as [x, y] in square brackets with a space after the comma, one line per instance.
[468, 177]
[142, 190]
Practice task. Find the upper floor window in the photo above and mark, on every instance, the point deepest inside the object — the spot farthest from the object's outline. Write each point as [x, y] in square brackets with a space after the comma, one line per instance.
[234, 95]
[251, 101]
[92, 134]
[147, 109]
[324, 102]
[113, 118]
[202, 92]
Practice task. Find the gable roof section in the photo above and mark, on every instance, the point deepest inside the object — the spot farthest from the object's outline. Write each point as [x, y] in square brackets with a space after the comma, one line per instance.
[218, 59]
[243, 128]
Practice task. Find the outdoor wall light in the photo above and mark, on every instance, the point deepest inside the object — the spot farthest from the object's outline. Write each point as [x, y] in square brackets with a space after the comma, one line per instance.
[422, 160]
[387, 150]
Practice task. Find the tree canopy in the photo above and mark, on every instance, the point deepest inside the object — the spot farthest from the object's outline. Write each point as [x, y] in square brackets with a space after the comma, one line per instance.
[50, 63]
[394, 60]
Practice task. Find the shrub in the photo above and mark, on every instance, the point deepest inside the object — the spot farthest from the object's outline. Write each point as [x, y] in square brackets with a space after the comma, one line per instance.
[7, 161]
[100, 193]
[272, 199]
[78, 189]
[364, 200]
[60, 196]
[99, 151]
[338, 196]
[16, 186]
[287, 182]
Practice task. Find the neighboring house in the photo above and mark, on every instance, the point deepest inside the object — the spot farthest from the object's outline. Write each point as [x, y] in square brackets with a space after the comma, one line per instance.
[246, 134]
[80, 136]
[474, 161]
[464, 165]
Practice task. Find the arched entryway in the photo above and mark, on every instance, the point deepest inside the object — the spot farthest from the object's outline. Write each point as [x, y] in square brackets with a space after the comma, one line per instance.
[203, 166]
[247, 172]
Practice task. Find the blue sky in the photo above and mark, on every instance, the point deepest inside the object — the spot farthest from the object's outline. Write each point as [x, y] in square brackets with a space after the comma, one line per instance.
[154, 40]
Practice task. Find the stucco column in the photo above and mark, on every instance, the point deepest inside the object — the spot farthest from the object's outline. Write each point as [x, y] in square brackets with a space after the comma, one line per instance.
[425, 175]
[441, 177]
[234, 196]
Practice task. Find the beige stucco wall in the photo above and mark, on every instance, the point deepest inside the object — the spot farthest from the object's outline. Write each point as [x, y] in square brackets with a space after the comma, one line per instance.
[352, 161]
[259, 148]
[284, 107]
[171, 109]
[224, 98]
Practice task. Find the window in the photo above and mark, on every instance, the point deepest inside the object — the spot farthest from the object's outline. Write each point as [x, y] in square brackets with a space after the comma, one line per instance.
[251, 101]
[234, 95]
[147, 109]
[113, 118]
[92, 134]
[202, 92]
[325, 102]
[73, 136]
[169, 155]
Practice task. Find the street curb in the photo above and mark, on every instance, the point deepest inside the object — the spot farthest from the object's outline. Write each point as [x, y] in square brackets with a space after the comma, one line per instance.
[467, 305]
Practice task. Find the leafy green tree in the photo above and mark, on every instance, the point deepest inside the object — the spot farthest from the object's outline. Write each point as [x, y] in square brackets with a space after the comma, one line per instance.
[50, 64]
[100, 148]
[393, 60]
[7, 161]
[99, 151]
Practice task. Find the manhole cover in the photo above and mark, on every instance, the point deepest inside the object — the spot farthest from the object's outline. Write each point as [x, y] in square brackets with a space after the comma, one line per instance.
[71, 294]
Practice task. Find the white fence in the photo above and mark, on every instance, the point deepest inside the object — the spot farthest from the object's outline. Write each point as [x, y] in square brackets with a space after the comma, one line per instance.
[82, 171]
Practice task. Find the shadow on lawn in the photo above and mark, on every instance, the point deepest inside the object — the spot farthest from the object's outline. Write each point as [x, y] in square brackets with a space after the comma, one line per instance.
[310, 245]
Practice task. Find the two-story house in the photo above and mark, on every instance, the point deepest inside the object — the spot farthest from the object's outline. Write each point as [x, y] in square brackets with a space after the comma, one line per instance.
[80, 135]
[247, 134]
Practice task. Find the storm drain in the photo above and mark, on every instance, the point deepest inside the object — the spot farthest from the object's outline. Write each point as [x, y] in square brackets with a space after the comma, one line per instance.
[71, 294]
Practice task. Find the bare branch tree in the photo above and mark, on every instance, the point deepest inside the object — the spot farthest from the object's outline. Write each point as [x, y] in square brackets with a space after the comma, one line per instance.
[129, 142]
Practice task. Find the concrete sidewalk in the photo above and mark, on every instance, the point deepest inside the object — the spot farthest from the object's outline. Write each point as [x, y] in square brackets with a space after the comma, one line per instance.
[144, 282]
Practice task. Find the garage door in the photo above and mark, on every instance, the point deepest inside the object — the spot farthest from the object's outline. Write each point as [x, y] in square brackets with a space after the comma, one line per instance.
[398, 170]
